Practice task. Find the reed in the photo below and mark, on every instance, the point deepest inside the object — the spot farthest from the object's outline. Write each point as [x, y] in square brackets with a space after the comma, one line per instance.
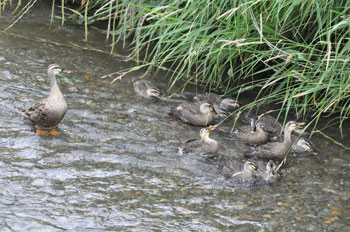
[294, 52]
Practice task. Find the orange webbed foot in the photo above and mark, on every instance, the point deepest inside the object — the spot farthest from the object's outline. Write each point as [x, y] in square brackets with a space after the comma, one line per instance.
[53, 131]
[41, 132]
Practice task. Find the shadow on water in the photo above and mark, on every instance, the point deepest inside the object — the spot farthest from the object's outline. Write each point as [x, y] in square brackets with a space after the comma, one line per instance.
[116, 166]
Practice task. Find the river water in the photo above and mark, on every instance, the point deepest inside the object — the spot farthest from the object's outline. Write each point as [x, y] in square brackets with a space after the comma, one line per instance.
[115, 164]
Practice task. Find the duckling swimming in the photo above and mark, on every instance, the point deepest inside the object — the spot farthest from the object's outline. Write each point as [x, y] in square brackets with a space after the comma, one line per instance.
[277, 150]
[200, 114]
[244, 175]
[252, 134]
[266, 171]
[202, 145]
[302, 146]
[222, 105]
[268, 122]
[145, 89]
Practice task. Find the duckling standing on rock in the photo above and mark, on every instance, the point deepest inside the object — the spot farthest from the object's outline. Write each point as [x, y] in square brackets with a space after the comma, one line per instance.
[145, 89]
[200, 114]
[277, 150]
[202, 145]
[49, 111]
[252, 134]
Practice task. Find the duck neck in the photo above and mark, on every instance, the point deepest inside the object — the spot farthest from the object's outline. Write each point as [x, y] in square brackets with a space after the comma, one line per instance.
[210, 141]
[52, 77]
[55, 90]
[287, 137]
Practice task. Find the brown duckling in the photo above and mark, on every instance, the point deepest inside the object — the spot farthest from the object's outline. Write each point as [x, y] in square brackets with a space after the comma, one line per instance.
[202, 145]
[145, 89]
[277, 150]
[221, 105]
[245, 174]
[302, 146]
[200, 114]
[49, 111]
[252, 134]
[268, 122]
[266, 170]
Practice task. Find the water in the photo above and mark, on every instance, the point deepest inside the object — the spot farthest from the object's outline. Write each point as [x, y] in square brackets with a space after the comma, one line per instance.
[116, 166]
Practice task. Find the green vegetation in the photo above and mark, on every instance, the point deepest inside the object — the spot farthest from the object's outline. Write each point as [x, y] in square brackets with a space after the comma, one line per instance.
[294, 52]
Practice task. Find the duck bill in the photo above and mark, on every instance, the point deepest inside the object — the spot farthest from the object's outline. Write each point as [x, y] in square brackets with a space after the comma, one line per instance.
[300, 124]
[66, 71]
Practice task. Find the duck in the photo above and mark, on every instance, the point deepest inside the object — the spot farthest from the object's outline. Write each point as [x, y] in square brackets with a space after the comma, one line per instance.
[276, 150]
[302, 146]
[252, 135]
[266, 170]
[49, 111]
[223, 106]
[145, 89]
[245, 174]
[268, 122]
[200, 114]
[202, 145]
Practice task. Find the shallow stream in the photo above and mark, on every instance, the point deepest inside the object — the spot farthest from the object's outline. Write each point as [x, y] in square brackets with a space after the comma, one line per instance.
[115, 164]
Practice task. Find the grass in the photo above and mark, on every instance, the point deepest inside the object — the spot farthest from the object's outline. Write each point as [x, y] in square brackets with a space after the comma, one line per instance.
[293, 52]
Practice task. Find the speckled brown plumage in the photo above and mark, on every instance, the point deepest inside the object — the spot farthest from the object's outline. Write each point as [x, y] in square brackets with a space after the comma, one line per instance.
[200, 114]
[145, 88]
[49, 111]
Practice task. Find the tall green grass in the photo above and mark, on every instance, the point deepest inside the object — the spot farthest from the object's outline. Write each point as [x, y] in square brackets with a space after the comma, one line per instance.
[293, 52]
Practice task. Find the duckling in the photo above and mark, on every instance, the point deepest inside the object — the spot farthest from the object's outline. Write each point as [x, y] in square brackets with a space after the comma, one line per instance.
[200, 114]
[202, 145]
[247, 174]
[302, 146]
[49, 111]
[266, 171]
[277, 150]
[222, 105]
[252, 134]
[268, 122]
[145, 89]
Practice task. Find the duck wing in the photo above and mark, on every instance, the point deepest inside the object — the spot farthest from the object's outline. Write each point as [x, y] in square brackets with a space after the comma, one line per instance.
[185, 111]
[38, 112]
[191, 145]
[266, 151]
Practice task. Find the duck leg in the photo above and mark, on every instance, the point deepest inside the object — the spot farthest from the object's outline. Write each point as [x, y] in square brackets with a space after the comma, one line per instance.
[40, 131]
[53, 131]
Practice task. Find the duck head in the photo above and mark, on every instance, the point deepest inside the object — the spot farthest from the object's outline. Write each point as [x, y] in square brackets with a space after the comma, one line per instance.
[153, 93]
[206, 108]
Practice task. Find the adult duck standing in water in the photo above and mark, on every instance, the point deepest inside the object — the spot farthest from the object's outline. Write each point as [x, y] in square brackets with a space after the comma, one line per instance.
[49, 111]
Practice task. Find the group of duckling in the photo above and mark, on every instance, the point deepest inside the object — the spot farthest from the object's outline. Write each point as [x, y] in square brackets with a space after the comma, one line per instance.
[263, 133]
[269, 141]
